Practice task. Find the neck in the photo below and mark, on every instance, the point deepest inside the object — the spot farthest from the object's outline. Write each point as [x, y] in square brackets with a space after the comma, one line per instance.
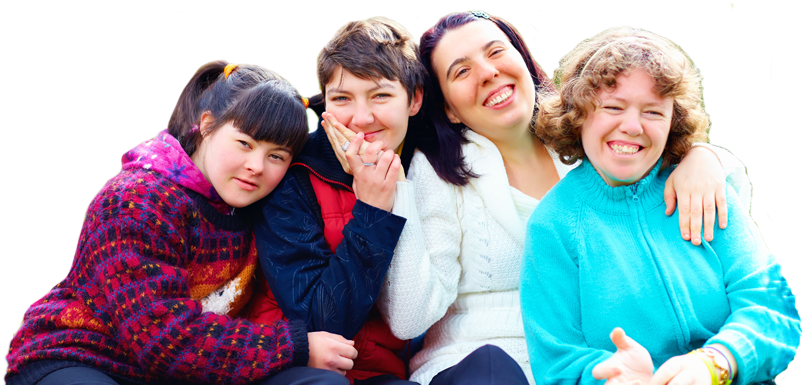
[518, 149]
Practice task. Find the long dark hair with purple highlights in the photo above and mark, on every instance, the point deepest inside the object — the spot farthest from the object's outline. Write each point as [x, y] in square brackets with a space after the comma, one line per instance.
[441, 140]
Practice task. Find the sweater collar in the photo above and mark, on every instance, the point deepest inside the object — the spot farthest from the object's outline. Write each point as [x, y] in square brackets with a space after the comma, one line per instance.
[318, 156]
[597, 193]
[164, 154]
[483, 157]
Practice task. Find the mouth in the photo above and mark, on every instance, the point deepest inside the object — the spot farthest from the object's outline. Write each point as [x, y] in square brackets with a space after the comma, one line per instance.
[499, 96]
[245, 185]
[371, 136]
[624, 148]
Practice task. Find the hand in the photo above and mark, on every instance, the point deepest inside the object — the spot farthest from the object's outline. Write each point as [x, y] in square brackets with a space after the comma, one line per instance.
[331, 352]
[338, 134]
[687, 369]
[374, 184]
[631, 364]
[697, 185]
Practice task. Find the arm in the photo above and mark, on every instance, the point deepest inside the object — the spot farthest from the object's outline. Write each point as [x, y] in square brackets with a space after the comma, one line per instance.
[423, 278]
[330, 291]
[138, 286]
[697, 185]
[763, 329]
[550, 302]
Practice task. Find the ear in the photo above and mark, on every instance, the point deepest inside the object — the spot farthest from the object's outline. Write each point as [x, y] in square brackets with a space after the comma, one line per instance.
[415, 103]
[206, 122]
[451, 115]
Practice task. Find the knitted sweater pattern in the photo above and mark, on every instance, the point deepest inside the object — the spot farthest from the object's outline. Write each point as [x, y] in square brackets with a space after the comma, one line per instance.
[454, 273]
[598, 257]
[153, 245]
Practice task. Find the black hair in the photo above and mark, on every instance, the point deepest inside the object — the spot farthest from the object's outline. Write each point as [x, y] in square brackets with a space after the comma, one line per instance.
[441, 140]
[258, 102]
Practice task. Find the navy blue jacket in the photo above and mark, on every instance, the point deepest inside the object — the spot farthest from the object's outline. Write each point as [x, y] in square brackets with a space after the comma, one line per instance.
[331, 292]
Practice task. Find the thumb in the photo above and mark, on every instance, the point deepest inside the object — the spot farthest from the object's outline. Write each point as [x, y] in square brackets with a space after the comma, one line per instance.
[621, 340]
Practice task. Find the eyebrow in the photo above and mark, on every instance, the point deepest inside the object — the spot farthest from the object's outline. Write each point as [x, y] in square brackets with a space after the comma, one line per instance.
[465, 58]
[342, 91]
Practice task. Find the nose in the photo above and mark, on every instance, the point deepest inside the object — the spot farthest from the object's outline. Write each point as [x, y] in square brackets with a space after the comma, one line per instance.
[631, 125]
[255, 163]
[487, 71]
[363, 116]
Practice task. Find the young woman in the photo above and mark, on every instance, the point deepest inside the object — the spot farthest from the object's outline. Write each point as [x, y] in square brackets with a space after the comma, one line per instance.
[165, 257]
[600, 253]
[473, 183]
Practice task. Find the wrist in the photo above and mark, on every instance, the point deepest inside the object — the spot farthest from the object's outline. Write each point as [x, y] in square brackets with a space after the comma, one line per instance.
[707, 147]
[717, 363]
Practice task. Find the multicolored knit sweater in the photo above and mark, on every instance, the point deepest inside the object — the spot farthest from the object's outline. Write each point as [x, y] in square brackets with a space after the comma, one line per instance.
[159, 270]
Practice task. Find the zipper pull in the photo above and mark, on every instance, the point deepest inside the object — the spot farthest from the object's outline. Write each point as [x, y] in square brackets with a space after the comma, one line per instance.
[634, 189]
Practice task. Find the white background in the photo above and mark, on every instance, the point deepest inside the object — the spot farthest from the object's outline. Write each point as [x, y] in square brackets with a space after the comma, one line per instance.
[82, 82]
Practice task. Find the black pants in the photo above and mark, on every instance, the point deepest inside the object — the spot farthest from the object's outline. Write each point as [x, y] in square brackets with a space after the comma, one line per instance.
[487, 365]
[293, 376]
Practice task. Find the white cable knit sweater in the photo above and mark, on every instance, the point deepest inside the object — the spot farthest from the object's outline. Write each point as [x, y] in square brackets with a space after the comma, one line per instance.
[456, 270]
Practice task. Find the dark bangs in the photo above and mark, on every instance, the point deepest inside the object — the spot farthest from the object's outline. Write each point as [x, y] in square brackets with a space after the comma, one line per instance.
[271, 112]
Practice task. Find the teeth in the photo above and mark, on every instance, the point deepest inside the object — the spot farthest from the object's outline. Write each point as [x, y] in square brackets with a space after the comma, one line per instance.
[499, 99]
[624, 149]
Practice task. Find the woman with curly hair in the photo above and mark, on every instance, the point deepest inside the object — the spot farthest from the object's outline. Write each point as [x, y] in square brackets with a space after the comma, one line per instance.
[600, 257]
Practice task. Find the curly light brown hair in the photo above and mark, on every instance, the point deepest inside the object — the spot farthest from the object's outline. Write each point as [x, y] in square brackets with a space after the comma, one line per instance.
[596, 63]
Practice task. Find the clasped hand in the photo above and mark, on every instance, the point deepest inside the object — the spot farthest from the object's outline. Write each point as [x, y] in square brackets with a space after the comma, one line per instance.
[375, 168]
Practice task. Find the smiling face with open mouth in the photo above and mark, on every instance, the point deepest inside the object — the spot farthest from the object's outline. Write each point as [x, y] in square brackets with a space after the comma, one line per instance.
[241, 169]
[485, 81]
[627, 132]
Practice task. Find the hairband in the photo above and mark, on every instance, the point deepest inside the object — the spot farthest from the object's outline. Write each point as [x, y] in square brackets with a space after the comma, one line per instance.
[229, 68]
[305, 102]
[480, 14]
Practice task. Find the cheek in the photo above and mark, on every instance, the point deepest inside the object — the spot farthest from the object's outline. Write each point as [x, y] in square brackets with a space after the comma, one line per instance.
[343, 114]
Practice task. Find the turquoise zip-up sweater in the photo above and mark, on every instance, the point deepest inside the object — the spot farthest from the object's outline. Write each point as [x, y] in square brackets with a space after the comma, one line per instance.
[598, 257]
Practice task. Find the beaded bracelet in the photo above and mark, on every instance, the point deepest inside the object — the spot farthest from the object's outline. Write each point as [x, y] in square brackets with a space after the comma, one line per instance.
[730, 368]
[709, 365]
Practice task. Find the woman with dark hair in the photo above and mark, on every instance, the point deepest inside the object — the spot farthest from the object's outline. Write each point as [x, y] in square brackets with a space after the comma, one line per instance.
[475, 179]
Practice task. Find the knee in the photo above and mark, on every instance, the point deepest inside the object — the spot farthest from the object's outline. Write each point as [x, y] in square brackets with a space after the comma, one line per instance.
[491, 353]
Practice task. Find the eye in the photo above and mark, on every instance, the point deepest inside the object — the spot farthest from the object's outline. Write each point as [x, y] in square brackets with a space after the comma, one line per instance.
[339, 99]
[496, 51]
[461, 72]
[245, 144]
[382, 96]
[277, 157]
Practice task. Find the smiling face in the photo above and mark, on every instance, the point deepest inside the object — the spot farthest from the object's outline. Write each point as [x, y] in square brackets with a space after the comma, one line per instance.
[241, 169]
[379, 108]
[485, 81]
[625, 135]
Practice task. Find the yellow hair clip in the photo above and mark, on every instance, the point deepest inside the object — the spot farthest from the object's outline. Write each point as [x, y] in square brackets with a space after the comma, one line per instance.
[305, 102]
[229, 68]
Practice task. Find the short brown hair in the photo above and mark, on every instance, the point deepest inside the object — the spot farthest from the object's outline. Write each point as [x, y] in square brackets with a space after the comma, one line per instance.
[373, 49]
[596, 63]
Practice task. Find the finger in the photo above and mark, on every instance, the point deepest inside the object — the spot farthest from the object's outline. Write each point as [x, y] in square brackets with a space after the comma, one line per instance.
[606, 370]
[722, 208]
[344, 363]
[666, 372]
[709, 216]
[620, 339]
[353, 160]
[335, 139]
[338, 338]
[394, 169]
[347, 351]
[684, 208]
[696, 220]
[371, 154]
[670, 197]
[341, 129]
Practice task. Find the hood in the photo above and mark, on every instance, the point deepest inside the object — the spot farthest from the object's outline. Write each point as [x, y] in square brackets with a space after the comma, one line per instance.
[164, 155]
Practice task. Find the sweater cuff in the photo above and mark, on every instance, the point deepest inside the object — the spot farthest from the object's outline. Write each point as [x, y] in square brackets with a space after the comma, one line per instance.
[743, 351]
[378, 226]
[300, 342]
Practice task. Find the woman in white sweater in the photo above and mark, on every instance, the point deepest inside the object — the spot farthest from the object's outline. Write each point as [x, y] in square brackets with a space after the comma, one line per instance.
[473, 183]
